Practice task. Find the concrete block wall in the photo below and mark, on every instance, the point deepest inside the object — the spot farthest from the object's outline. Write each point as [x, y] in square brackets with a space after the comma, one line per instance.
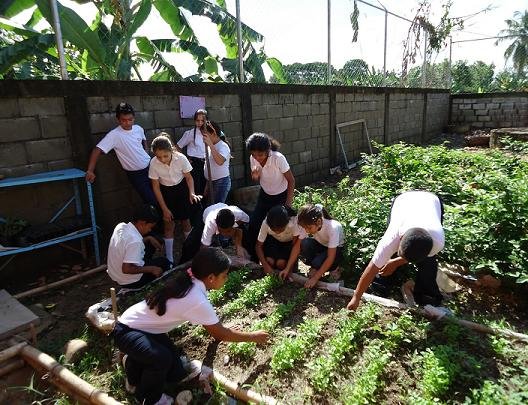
[490, 110]
[437, 114]
[352, 107]
[301, 123]
[34, 138]
[405, 117]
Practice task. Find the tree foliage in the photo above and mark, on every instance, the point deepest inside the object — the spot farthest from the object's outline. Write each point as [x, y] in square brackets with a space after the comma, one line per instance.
[518, 49]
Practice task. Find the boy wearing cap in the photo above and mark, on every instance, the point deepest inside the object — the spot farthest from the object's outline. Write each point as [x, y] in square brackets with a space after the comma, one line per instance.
[129, 142]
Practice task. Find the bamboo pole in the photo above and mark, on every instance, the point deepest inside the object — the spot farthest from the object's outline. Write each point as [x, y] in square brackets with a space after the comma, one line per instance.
[210, 191]
[64, 378]
[12, 366]
[334, 287]
[59, 283]
[114, 302]
[236, 390]
[11, 351]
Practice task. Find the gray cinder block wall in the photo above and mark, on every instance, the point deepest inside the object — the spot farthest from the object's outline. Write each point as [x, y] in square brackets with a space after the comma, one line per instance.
[48, 125]
[490, 110]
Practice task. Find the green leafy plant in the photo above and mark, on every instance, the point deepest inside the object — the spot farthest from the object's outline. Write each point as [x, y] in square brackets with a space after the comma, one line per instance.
[233, 284]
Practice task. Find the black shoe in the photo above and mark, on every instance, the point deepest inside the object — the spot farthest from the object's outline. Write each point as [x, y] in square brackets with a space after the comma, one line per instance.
[379, 289]
[424, 299]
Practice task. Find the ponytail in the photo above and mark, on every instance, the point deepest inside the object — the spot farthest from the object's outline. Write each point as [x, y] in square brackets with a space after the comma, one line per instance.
[207, 261]
[310, 213]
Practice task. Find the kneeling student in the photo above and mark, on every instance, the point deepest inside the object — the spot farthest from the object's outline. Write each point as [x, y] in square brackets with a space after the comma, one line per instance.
[278, 234]
[128, 264]
[151, 358]
[320, 244]
[416, 235]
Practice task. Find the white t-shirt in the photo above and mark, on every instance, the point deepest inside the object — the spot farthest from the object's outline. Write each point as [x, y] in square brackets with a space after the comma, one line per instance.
[194, 308]
[292, 230]
[209, 218]
[126, 246]
[171, 174]
[413, 209]
[195, 145]
[128, 146]
[331, 234]
[272, 178]
[219, 171]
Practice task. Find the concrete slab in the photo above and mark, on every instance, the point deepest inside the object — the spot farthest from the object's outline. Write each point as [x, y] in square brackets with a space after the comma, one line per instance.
[14, 317]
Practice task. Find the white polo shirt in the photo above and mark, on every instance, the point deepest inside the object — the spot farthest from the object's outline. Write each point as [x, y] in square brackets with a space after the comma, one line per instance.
[413, 209]
[194, 308]
[126, 246]
[171, 174]
[292, 230]
[331, 234]
[209, 218]
[219, 171]
[128, 146]
[272, 178]
[195, 145]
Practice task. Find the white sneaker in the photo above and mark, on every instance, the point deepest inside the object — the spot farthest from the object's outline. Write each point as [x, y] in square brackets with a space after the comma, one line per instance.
[165, 400]
[128, 387]
[193, 368]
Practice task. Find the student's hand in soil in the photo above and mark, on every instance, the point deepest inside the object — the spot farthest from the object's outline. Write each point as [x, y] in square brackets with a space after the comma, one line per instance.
[260, 336]
[284, 274]
[312, 281]
[353, 303]
[193, 198]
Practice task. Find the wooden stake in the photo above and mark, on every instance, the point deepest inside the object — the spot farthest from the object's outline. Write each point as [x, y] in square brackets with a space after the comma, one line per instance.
[64, 378]
[59, 283]
[12, 366]
[236, 390]
[114, 303]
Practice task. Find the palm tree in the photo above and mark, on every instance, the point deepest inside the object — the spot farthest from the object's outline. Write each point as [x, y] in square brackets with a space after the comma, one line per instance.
[518, 49]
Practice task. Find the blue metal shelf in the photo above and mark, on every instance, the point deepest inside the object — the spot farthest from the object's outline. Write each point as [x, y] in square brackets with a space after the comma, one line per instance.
[59, 175]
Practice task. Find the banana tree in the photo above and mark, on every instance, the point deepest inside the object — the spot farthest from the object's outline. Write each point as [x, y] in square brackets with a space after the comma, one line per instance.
[98, 51]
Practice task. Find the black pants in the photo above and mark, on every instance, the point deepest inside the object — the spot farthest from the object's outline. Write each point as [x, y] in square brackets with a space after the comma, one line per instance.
[153, 360]
[314, 254]
[264, 203]
[149, 261]
[197, 174]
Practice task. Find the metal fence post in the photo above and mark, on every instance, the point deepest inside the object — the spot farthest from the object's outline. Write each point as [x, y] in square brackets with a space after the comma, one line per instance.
[424, 65]
[449, 76]
[329, 68]
[239, 40]
[58, 39]
[385, 51]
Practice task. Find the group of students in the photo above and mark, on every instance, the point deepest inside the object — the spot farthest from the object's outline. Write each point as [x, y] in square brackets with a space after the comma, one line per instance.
[274, 235]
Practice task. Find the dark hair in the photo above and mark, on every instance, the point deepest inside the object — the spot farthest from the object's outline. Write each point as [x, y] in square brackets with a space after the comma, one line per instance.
[415, 245]
[214, 125]
[310, 213]
[124, 108]
[225, 218]
[147, 213]
[198, 112]
[207, 261]
[162, 142]
[279, 216]
[261, 142]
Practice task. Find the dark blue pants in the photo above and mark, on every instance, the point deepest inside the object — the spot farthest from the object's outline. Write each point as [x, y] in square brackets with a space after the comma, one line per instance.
[142, 184]
[153, 360]
[264, 203]
[314, 254]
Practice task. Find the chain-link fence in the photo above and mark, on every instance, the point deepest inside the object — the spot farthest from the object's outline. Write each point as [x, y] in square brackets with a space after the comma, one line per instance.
[317, 42]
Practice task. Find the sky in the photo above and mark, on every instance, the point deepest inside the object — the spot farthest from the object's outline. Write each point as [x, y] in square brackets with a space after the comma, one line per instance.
[296, 31]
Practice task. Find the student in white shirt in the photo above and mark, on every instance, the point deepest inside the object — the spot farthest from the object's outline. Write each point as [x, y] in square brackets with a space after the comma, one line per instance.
[271, 169]
[152, 359]
[219, 219]
[173, 185]
[320, 244]
[129, 142]
[415, 234]
[192, 139]
[129, 264]
[219, 156]
[278, 234]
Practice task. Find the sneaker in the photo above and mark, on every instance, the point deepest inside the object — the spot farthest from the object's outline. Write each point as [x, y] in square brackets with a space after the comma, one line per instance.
[193, 368]
[335, 275]
[165, 400]
[407, 292]
[128, 387]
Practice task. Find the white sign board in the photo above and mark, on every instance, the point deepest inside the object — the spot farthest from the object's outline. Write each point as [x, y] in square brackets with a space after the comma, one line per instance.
[189, 105]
